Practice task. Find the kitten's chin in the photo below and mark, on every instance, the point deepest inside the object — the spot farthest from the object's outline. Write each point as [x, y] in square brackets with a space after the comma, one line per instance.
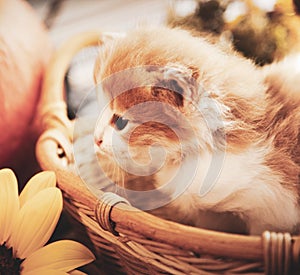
[104, 156]
[101, 152]
[105, 159]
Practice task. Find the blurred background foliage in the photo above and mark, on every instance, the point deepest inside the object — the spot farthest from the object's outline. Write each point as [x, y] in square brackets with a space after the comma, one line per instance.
[261, 30]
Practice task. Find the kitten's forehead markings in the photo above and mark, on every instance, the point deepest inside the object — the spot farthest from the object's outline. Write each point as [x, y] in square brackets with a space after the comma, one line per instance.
[153, 76]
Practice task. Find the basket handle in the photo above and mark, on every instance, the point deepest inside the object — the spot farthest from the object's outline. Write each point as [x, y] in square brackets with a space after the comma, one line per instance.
[52, 109]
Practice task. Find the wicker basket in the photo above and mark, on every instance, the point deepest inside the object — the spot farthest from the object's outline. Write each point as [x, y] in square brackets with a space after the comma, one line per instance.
[131, 241]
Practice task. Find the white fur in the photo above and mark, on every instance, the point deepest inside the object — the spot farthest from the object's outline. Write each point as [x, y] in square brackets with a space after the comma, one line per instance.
[244, 185]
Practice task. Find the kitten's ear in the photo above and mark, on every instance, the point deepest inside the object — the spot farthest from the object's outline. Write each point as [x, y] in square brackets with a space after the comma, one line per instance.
[105, 49]
[181, 80]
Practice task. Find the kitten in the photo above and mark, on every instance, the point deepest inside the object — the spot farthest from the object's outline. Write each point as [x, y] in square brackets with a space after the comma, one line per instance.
[198, 134]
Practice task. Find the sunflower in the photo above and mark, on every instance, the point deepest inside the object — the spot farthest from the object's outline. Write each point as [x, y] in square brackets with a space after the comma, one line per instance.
[26, 224]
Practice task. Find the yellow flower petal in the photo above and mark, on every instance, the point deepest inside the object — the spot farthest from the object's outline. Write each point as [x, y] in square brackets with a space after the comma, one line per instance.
[36, 222]
[9, 203]
[62, 255]
[43, 271]
[37, 183]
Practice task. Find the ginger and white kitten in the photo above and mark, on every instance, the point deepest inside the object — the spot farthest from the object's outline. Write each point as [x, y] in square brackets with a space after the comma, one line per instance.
[230, 132]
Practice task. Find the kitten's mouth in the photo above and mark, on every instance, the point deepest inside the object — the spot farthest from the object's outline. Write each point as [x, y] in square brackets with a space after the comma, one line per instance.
[99, 150]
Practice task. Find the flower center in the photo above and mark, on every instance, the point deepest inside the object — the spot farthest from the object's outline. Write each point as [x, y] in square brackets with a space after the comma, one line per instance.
[8, 264]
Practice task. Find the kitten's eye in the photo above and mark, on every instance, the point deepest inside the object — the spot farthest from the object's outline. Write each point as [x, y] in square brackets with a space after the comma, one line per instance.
[119, 122]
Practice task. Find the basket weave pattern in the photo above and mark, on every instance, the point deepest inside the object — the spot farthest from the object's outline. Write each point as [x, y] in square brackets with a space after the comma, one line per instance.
[130, 241]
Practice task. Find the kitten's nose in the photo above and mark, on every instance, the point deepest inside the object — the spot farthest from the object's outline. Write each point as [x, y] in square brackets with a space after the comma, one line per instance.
[98, 141]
